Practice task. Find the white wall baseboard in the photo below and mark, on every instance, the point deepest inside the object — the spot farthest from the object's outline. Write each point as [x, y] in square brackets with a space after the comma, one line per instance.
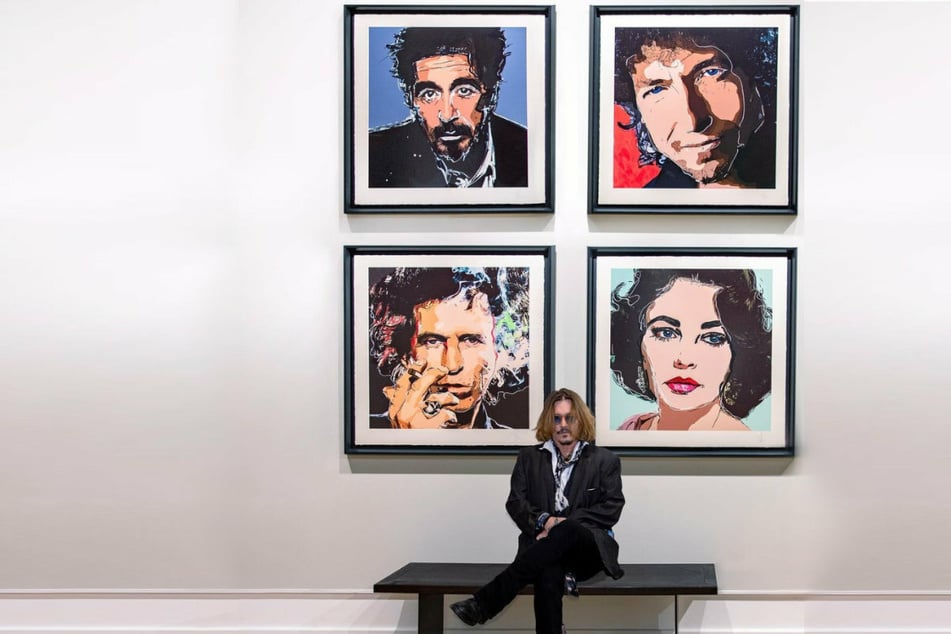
[304, 613]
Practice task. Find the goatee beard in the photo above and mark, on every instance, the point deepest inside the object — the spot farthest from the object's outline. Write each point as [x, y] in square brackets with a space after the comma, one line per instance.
[456, 150]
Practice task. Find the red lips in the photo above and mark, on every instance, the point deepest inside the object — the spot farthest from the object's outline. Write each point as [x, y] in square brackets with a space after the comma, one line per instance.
[681, 385]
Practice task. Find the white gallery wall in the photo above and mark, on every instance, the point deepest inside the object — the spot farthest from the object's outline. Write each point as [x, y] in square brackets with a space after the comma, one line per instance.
[171, 338]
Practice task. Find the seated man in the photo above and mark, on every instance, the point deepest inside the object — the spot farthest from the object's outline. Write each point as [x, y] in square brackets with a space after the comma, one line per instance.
[565, 497]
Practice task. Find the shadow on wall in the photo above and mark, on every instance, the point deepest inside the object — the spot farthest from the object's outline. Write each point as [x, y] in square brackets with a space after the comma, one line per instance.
[502, 465]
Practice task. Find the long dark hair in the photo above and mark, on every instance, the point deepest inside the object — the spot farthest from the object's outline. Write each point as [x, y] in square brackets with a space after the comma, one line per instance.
[545, 428]
[743, 312]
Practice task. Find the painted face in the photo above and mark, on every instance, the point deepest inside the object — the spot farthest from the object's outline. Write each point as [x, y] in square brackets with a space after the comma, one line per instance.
[459, 336]
[686, 349]
[692, 105]
[446, 96]
[565, 429]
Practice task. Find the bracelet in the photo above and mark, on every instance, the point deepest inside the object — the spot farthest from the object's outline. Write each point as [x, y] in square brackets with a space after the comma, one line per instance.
[542, 519]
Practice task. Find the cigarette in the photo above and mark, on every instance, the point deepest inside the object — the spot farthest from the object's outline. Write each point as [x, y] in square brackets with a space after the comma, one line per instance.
[413, 372]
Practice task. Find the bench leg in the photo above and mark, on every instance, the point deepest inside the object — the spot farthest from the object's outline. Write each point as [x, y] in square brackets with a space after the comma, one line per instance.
[430, 614]
[676, 615]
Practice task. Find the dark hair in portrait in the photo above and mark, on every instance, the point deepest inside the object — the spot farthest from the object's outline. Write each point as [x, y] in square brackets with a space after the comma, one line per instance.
[753, 54]
[742, 310]
[545, 428]
[394, 295]
[485, 48]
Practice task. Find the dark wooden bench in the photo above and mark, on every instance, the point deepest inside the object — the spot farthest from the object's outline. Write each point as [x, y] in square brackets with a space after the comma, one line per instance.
[432, 581]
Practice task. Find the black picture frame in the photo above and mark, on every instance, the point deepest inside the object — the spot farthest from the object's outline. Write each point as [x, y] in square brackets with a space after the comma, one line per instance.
[379, 122]
[691, 351]
[502, 360]
[742, 147]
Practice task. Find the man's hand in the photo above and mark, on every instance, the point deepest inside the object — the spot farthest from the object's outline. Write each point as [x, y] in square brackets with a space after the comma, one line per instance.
[550, 523]
[413, 406]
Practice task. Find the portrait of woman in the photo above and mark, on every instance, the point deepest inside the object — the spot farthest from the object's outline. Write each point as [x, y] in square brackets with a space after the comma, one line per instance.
[697, 342]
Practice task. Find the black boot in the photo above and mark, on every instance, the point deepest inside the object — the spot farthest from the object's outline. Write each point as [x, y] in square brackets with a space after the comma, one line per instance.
[469, 611]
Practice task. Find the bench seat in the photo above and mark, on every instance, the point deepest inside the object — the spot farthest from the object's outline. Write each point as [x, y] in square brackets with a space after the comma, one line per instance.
[432, 581]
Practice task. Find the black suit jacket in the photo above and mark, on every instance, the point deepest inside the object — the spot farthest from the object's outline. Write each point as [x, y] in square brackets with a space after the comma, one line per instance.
[594, 497]
[401, 156]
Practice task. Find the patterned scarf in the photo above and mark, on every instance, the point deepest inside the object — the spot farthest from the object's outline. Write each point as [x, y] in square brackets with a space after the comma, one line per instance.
[561, 478]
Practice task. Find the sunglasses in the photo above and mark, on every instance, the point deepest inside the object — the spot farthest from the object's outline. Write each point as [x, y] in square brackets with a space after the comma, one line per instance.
[569, 419]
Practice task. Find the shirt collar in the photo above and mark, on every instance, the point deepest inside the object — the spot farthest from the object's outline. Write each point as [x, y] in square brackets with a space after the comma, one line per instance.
[549, 445]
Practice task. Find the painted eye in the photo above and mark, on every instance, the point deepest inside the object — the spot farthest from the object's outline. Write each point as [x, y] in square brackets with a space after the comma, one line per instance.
[713, 72]
[665, 333]
[656, 90]
[428, 95]
[467, 92]
[715, 339]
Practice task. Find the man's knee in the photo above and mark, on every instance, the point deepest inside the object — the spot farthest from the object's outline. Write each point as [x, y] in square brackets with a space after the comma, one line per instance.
[568, 532]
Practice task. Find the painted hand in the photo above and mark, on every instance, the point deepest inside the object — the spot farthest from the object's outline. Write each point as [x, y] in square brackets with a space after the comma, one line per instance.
[413, 403]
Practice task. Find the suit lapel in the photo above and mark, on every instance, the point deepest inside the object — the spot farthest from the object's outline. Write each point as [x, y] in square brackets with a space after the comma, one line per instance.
[579, 479]
[546, 477]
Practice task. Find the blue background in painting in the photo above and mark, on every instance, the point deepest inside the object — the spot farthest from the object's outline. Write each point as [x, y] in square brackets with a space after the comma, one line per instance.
[624, 405]
[386, 99]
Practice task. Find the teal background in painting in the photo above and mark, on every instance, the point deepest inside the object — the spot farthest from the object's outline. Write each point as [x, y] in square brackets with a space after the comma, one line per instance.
[624, 405]
[387, 106]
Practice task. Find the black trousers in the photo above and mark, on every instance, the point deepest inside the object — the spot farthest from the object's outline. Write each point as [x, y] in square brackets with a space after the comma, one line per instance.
[569, 547]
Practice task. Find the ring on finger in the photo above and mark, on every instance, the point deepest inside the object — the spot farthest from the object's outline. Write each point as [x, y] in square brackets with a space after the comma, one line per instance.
[430, 409]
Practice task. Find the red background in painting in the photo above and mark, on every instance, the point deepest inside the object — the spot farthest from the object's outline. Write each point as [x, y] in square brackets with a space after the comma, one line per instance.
[627, 173]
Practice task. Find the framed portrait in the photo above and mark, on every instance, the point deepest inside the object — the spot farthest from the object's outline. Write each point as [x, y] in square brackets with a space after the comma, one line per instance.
[693, 109]
[448, 109]
[691, 351]
[448, 350]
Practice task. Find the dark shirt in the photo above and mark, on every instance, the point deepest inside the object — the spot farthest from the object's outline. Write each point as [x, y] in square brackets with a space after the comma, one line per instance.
[401, 156]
